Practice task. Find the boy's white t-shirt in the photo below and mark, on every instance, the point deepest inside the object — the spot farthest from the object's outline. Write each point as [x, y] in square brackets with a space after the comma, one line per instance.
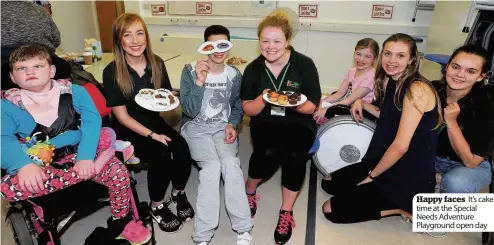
[216, 99]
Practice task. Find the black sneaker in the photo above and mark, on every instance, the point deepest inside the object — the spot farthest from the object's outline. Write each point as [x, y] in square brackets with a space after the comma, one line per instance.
[185, 212]
[167, 220]
[252, 199]
[283, 231]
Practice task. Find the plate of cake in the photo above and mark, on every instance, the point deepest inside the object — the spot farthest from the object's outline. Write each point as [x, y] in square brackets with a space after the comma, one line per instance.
[157, 100]
[284, 98]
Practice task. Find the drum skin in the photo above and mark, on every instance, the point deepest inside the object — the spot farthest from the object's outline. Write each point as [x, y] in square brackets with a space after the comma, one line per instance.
[342, 143]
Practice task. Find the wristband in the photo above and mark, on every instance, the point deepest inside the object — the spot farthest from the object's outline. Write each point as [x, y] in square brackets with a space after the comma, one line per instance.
[370, 176]
[150, 135]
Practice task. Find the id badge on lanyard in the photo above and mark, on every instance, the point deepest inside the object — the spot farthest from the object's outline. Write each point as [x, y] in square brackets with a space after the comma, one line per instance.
[277, 110]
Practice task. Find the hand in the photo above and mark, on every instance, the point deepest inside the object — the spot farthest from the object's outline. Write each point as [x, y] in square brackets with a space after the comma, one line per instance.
[230, 134]
[31, 178]
[366, 180]
[202, 69]
[161, 138]
[320, 114]
[85, 169]
[103, 158]
[451, 112]
[356, 110]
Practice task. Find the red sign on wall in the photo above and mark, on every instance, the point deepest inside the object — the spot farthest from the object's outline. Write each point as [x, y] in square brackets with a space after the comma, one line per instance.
[204, 8]
[382, 12]
[307, 10]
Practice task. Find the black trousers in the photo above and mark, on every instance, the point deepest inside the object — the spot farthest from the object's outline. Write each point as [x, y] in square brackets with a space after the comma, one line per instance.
[285, 145]
[352, 203]
[166, 163]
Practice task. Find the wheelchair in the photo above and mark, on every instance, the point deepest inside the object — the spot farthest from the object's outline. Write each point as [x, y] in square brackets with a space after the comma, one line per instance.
[42, 220]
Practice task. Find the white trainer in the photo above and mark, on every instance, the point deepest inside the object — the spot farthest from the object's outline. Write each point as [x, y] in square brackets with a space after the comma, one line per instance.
[244, 239]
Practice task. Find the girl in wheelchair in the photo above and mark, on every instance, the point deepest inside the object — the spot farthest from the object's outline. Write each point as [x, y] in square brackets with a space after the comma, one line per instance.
[466, 140]
[358, 82]
[399, 162]
[66, 126]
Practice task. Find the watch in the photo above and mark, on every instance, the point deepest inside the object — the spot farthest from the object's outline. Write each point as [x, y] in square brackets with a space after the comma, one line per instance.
[150, 135]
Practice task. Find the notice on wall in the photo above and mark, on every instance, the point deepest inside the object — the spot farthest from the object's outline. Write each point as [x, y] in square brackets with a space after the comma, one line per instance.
[158, 9]
[382, 12]
[204, 8]
[453, 212]
[307, 10]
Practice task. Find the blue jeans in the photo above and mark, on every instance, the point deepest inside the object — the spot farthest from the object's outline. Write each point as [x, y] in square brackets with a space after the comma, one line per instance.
[456, 178]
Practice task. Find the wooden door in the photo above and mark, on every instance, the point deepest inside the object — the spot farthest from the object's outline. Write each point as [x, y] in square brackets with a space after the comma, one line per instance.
[107, 12]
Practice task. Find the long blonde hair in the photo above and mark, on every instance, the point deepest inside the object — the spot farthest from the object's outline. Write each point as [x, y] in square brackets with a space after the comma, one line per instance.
[122, 76]
[410, 75]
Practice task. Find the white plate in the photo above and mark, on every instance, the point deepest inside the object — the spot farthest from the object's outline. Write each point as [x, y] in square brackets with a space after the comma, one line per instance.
[150, 103]
[302, 100]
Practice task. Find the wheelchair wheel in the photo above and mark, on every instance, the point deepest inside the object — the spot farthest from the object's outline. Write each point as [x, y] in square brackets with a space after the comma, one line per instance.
[20, 228]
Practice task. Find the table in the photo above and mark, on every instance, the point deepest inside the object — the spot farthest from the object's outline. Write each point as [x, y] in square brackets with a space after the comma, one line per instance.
[174, 65]
[97, 67]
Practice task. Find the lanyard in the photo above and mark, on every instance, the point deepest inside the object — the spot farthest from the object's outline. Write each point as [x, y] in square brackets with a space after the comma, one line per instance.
[282, 78]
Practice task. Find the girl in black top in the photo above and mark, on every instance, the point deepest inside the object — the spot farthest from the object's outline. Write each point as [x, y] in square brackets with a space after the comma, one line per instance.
[467, 139]
[136, 67]
[400, 160]
[279, 135]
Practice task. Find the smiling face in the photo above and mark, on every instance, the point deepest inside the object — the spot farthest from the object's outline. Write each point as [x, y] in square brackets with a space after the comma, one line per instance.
[395, 58]
[464, 71]
[218, 57]
[134, 41]
[273, 43]
[33, 74]
[363, 58]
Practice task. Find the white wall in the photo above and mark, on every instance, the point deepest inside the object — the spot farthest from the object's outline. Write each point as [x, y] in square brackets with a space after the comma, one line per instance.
[76, 21]
[445, 33]
[330, 42]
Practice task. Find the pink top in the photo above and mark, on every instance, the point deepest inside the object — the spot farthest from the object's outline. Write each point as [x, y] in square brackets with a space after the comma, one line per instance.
[365, 80]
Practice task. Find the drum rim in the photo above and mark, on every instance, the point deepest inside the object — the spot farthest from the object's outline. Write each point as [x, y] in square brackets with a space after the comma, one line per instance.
[335, 121]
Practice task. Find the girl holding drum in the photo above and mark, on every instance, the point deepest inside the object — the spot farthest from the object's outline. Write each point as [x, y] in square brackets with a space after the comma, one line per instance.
[400, 160]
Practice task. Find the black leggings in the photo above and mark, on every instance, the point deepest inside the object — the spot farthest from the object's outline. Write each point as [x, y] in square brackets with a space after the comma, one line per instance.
[352, 203]
[285, 145]
[172, 162]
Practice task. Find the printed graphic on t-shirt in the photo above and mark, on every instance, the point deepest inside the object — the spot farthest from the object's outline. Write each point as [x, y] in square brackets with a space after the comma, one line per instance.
[349, 91]
[292, 84]
[215, 102]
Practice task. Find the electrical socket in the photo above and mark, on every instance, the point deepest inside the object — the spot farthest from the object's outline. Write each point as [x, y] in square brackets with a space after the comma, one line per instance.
[305, 26]
[191, 22]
